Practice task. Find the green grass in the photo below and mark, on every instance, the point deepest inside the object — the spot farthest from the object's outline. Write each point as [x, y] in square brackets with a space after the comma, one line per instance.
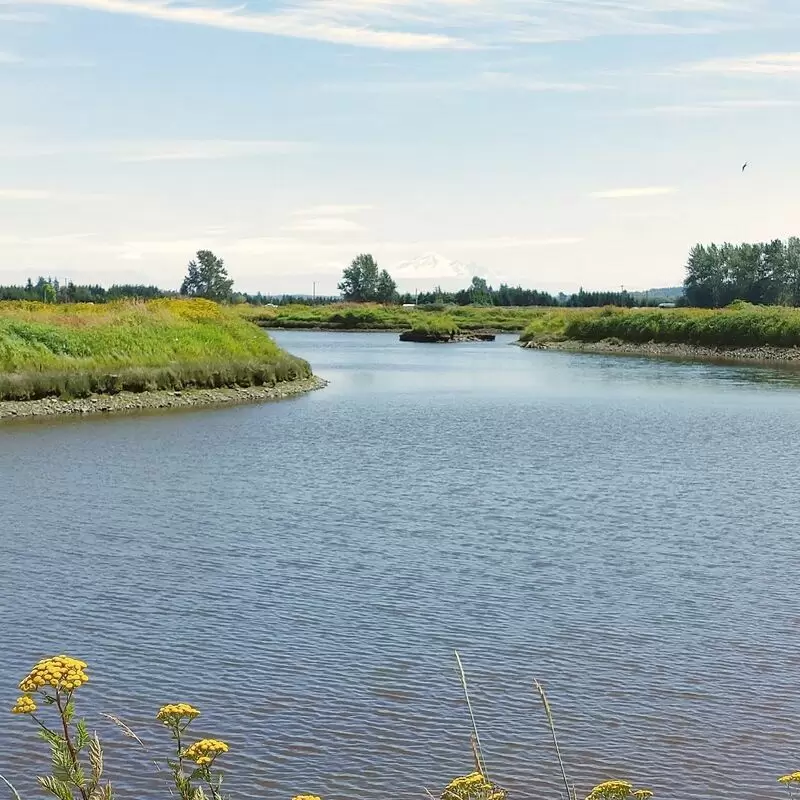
[371, 316]
[77, 350]
[741, 325]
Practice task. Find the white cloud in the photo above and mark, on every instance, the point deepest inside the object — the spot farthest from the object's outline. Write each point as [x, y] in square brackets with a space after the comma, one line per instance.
[640, 191]
[10, 58]
[331, 210]
[764, 64]
[324, 225]
[25, 194]
[454, 24]
[503, 242]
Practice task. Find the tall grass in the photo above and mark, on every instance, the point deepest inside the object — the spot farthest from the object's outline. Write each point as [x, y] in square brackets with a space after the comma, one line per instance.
[77, 350]
[742, 325]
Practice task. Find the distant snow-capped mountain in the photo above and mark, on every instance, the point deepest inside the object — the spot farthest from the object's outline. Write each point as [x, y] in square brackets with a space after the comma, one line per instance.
[432, 269]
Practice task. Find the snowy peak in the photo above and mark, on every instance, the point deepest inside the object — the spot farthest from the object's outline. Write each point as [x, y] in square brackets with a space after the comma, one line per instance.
[430, 266]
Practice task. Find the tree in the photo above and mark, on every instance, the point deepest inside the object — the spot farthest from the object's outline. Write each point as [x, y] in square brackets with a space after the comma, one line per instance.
[362, 281]
[386, 290]
[207, 277]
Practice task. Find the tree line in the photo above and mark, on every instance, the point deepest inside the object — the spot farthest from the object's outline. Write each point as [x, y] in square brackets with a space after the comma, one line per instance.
[765, 273]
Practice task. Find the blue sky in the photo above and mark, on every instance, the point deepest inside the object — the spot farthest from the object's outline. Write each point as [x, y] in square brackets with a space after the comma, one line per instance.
[553, 143]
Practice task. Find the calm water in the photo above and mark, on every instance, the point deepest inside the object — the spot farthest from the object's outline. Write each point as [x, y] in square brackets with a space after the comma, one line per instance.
[625, 530]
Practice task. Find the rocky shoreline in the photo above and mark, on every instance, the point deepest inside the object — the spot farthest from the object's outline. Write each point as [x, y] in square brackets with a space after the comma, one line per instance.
[432, 337]
[129, 401]
[764, 353]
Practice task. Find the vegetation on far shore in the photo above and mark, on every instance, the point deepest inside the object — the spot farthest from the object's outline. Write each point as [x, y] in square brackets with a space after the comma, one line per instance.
[739, 325]
[375, 317]
[78, 350]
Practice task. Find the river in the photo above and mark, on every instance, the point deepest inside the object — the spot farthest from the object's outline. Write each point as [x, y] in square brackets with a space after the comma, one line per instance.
[622, 529]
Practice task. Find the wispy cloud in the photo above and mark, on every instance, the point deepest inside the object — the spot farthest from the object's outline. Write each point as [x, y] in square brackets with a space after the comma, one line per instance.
[324, 225]
[481, 82]
[311, 21]
[635, 191]
[200, 150]
[157, 150]
[15, 15]
[764, 64]
[712, 107]
[454, 24]
[330, 210]
[10, 58]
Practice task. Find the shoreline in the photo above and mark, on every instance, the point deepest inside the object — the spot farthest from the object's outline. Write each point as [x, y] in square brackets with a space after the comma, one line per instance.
[157, 400]
[762, 354]
[331, 329]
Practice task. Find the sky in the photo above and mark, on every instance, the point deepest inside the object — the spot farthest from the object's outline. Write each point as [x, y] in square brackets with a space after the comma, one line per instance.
[548, 143]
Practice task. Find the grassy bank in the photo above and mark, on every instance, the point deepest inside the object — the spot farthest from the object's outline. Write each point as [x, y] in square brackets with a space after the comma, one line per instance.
[371, 316]
[78, 350]
[742, 325]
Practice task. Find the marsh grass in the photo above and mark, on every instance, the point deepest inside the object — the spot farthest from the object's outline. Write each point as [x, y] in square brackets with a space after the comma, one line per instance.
[78, 350]
[741, 325]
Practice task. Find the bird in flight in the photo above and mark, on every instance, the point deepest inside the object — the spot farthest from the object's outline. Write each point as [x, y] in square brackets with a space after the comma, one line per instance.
[744, 166]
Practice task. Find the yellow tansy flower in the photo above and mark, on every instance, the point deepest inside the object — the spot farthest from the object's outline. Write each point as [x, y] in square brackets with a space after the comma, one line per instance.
[793, 777]
[205, 751]
[24, 705]
[472, 787]
[611, 790]
[173, 712]
[58, 672]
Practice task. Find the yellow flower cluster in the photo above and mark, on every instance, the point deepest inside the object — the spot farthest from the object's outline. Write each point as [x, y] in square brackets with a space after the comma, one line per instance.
[173, 712]
[794, 777]
[58, 672]
[611, 790]
[306, 797]
[618, 790]
[24, 705]
[205, 751]
[472, 787]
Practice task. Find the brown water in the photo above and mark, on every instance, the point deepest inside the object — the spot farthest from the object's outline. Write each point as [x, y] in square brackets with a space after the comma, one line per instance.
[623, 529]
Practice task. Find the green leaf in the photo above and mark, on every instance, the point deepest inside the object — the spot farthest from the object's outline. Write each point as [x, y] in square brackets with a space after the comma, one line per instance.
[82, 734]
[56, 787]
[69, 711]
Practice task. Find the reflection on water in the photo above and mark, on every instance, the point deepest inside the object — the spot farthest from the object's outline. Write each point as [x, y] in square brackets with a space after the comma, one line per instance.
[618, 527]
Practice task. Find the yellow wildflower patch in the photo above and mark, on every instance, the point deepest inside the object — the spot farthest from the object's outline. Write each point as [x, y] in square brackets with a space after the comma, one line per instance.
[793, 777]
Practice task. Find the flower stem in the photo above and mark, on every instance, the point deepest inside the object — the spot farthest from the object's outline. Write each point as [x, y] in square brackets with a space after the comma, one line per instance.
[70, 747]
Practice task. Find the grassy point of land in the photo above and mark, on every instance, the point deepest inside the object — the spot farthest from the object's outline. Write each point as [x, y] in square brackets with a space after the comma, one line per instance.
[78, 350]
